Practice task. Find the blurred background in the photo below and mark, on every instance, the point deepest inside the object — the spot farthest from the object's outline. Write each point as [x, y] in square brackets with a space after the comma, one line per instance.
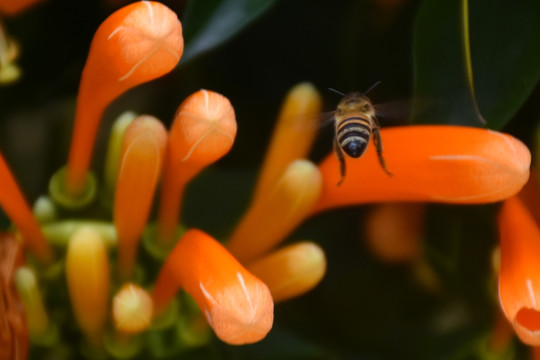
[440, 307]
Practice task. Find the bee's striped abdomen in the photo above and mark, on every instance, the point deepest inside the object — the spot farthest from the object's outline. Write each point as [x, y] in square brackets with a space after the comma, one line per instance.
[353, 135]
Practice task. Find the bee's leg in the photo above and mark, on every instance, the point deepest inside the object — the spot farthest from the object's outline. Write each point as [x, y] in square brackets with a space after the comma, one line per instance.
[377, 141]
[341, 158]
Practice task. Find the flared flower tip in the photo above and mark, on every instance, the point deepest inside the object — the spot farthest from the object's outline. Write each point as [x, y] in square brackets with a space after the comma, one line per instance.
[237, 305]
[519, 284]
[204, 129]
[132, 309]
[438, 163]
[291, 271]
[143, 41]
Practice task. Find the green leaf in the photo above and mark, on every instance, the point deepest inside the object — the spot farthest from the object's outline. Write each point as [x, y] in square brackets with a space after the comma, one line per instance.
[483, 62]
[210, 23]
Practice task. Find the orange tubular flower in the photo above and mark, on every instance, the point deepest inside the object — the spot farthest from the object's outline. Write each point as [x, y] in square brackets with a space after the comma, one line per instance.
[138, 43]
[14, 7]
[438, 163]
[203, 131]
[293, 136]
[13, 202]
[88, 277]
[292, 270]
[237, 305]
[278, 212]
[143, 149]
[519, 283]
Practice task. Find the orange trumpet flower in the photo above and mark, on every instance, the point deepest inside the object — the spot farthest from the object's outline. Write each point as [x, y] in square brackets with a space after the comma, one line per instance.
[438, 163]
[138, 43]
[237, 305]
[519, 283]
[142, 152]
[13, 202]
[203, 131]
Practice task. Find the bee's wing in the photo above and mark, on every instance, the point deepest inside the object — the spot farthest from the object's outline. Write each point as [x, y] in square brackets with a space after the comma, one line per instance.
[315, 122]
[397, 110]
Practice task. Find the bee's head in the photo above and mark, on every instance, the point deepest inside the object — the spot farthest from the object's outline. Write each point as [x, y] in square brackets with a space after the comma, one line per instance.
[355, 102]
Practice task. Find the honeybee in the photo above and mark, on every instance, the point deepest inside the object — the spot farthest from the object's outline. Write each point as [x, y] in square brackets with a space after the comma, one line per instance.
[355, 123]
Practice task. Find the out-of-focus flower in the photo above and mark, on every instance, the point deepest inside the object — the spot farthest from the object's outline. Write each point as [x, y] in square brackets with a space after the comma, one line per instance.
[293, 136]
[519, 284]
[132, 309]
[278, 212]
[13, 203]
[394, 231]
[13, 331]
[9, 52]
[292, 270]
[139, 171]
[138, 43]
[88, 280]
[15, 7]
[237, 305]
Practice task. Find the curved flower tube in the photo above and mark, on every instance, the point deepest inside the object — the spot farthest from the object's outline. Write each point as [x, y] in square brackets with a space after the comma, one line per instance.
[13, 203]
[138, 43]
[438, 163]
[519, 283]
[293, 136]
[292, 270]
[203, 130]
[237, 305]
[143, 149]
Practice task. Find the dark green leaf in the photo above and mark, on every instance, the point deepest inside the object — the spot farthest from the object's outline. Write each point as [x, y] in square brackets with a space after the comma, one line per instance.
[210, 23]
[505, 58]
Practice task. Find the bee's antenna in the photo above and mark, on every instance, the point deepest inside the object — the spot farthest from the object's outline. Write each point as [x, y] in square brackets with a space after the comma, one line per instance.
[336, 91]
[372, 86]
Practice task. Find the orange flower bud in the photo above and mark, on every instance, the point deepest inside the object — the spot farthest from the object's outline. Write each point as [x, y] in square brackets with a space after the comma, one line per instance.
[87, 272]
[138, 43]
[13, 203]
[143, 149]
[293, 135]
[440, 163]
[237, 305]
[292, 270]
[519, 283]
[132, 309]
[203, 131]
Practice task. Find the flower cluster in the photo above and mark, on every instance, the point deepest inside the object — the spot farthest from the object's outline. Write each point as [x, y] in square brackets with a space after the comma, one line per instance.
[231, 286]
